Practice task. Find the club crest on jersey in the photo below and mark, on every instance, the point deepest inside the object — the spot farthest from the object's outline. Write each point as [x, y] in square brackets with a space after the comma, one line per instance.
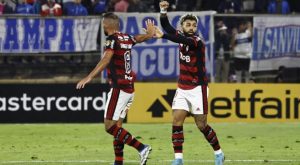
[107, 43]
[186, 47]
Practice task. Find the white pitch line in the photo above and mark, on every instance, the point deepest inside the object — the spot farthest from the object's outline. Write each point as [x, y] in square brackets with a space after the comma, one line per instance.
[135, 161]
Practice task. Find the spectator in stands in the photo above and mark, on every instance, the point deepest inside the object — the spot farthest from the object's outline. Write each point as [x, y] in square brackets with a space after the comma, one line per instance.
[242, 46]
[76, 9]
[24, 8]
[5, 8]
[51, 8]
[99, 7]
[278, 7]
[121, 6]
[222, 53]
[230, 6]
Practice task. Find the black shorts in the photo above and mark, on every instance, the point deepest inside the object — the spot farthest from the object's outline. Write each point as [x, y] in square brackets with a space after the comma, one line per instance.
[242, 64]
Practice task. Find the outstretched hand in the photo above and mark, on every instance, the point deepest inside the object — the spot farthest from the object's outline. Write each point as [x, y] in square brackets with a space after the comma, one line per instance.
[150, 27]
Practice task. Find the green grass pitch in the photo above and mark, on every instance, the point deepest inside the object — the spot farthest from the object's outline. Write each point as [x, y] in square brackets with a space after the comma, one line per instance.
[89, 144]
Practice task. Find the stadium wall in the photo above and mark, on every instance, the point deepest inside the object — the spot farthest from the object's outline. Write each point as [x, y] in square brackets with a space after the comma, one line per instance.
[227, 103]
[52, 103]
[62, 103]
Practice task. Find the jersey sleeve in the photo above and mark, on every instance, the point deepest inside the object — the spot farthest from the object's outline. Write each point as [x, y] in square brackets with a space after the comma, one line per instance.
[110, 43]
[132, 39]
[165, 23]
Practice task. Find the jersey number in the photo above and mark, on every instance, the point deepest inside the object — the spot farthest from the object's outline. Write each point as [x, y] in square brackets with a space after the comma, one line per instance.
[127, 62]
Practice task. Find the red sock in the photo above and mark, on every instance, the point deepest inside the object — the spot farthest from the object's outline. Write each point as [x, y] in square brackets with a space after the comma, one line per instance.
[118, 148]
[124, 136]
[177, 138]
[211, 137]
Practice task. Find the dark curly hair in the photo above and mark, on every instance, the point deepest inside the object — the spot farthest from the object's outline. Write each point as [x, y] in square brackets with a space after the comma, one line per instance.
[188, 17]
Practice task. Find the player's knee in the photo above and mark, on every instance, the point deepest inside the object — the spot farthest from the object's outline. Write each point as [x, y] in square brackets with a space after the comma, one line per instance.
[178, 121]
[108, 127]
[179, 117]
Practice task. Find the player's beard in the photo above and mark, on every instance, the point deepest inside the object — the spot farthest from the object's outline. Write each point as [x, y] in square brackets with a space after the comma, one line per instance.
[189, 33]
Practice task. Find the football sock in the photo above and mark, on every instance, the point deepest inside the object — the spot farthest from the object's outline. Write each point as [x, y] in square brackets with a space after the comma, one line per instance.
[218, 152]
[211, 137]
[177, 140]
[178, 156]
[124, 136]
[118, 148]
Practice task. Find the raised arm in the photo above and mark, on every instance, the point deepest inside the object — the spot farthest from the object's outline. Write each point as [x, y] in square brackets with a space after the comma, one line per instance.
[165, 23]
[182, 40]
[178, 38]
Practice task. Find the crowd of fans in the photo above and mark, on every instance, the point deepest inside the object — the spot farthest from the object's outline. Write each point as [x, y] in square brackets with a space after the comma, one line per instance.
[96, 7]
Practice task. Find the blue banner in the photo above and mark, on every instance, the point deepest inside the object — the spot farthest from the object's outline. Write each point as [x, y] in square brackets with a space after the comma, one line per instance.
[276, 42]
[34, 35]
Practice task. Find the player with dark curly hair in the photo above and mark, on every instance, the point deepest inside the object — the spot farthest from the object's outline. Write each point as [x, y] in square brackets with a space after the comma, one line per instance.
[192, 92]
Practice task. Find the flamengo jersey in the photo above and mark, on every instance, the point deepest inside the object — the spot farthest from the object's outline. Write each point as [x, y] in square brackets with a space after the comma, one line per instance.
[119, 70]
[192, 63]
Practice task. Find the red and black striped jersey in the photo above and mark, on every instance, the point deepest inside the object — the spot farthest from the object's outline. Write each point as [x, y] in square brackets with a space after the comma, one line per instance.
[191, 56]
[192, 60]
[119, 70]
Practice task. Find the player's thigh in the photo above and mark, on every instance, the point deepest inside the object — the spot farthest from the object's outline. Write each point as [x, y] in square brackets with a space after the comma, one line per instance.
[198, 99]
[180, 107]
[126, 109]
[116, 103]
[179, 101]
[179, 116]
